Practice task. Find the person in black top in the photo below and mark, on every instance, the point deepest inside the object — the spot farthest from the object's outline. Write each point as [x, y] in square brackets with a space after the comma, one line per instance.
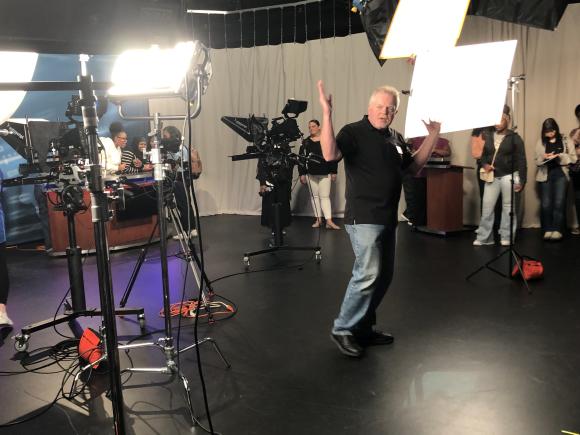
[504, 154]
[318, 176]
[375, 159]
[142, 161]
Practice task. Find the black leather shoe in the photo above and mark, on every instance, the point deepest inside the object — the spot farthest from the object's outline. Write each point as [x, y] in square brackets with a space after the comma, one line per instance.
[376, 338]
[347, 345]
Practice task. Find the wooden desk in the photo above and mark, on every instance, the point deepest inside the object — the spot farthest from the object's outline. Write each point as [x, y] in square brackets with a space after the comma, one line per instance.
[120, 234]
[444, 199]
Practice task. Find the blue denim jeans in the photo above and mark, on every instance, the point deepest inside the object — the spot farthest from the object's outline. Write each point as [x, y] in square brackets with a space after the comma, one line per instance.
[503, 186]
[553, 200]
[372, 273]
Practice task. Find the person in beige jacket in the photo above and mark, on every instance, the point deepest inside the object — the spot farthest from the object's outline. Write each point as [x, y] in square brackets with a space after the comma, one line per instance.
[554, 153]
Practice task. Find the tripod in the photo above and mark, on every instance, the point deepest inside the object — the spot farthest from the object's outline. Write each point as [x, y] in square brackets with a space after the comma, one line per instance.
[166, 343]
[72, 204]
[277, 243]
[511, 252]
[189, 255]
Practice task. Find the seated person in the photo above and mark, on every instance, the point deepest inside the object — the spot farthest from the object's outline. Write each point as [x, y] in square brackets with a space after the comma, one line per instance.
[183, 180]
[135, 159]
[111, 151]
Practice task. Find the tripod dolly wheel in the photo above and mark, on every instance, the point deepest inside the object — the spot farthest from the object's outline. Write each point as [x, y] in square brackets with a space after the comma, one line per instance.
[246, 261]
[21, 342]
[318, 256]
[141, 319]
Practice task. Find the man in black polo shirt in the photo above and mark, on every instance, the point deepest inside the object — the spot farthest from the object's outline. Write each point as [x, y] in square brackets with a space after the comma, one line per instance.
[375, 159]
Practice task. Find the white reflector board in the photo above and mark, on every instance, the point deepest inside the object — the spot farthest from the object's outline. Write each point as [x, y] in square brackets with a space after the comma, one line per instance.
[423, 25]
[461, 87]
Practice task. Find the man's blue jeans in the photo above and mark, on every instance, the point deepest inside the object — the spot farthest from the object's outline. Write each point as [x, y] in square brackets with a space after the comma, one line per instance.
[372, 273]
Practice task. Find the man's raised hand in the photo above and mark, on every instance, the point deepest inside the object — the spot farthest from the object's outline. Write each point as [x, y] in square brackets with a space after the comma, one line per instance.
[325, 101]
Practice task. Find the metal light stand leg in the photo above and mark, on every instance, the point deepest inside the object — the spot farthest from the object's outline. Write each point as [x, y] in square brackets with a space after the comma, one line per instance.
[192, 260]
[100, 215]
[165, 344]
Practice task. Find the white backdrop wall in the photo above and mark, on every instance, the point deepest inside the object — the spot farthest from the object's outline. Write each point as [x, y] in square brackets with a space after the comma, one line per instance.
[259, 80]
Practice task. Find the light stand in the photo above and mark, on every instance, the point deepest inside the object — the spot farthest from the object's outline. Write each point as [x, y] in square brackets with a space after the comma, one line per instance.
[512, 253]
[100, 215]
[166, 343]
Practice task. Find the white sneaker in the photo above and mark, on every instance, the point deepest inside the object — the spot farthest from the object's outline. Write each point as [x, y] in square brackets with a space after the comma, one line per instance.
[575, 231]
[180, 236]
[505, 242]
[5, 321]
[556, 235]
[480, 243]
[548, 235]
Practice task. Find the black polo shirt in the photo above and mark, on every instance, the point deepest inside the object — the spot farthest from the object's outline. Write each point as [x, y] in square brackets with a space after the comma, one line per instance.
[374, 161]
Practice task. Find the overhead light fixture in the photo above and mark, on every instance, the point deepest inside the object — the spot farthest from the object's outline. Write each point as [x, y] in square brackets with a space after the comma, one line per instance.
[423, 25]
[16, 67]
[206, 11]
[446, 87]
[157, 72]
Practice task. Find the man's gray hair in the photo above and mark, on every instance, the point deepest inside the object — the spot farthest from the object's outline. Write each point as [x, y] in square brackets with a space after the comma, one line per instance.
[386, 90]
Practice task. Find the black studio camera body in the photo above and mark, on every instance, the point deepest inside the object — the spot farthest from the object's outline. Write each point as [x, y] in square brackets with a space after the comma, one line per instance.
[272, 147]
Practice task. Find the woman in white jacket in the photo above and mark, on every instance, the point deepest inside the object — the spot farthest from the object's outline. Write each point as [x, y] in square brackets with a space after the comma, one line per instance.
[554, 153]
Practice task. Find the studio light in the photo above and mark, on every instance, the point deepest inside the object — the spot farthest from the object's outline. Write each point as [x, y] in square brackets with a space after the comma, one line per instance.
[16, 67]
[157, 72]
[448, 88]
[423, 25]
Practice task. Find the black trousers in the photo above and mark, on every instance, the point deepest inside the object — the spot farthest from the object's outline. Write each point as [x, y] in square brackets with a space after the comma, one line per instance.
[186, 214]
[575, 176]
[4, 282]
[416, 198]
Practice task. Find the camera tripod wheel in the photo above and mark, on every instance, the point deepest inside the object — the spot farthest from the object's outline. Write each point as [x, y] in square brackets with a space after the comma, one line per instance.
[318, 256]
[141, 320]
[246, 261]
[21, 342]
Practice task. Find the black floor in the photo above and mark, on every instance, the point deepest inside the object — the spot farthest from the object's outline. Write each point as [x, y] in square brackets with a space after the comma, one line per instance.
[479, 357]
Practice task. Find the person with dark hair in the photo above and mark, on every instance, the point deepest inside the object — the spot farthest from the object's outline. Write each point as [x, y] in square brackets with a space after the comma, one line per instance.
[111, 154]
[5, 321]
[135, 158]
[183, 180]
[575, 170]
[375, 159]
[504, 156]
[318, 176]
[553, 156]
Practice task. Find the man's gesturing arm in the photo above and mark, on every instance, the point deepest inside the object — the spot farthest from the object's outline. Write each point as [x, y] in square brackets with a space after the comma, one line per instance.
[330, 151]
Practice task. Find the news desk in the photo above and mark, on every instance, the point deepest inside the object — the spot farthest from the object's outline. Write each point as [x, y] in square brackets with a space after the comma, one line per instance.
[127, 228]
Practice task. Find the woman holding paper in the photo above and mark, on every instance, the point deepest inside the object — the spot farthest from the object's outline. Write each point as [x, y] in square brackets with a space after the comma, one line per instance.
[553, 155]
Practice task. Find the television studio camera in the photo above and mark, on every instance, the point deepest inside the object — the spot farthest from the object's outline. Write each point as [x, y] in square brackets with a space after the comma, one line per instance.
[276, 161]
[57, 157]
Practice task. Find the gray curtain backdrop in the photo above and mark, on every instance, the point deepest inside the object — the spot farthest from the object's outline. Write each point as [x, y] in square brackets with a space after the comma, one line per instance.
[259, 80]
